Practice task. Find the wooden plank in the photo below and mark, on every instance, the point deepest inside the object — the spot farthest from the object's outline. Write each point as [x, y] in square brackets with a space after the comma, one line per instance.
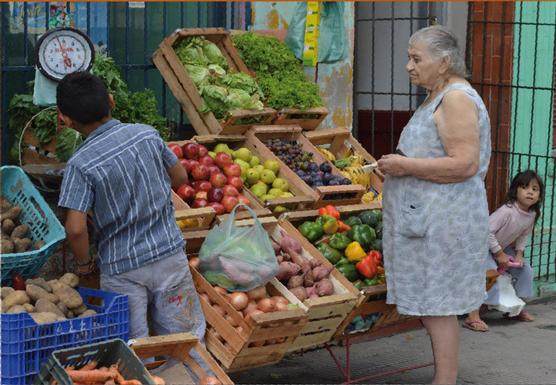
[288, 116]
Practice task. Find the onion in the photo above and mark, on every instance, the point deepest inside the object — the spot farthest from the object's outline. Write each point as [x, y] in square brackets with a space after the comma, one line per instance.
[280, 306]
[280, 299]
[249, 316]
[194, 262]
[239, 300]
[220, 290]
[250, 307]
[257, 293]
[266, 305]
[219, 310]
[209, 380]
[231, 320]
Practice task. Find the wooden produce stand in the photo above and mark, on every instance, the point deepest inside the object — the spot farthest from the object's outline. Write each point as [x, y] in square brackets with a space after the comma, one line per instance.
[186, 93]
[308, 119]
[178, 346]
[203, 215]
[301, 199]
[339, 141]
[323, 195]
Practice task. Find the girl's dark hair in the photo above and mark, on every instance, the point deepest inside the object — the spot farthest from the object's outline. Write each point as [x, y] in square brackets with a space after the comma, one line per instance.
[522, 179]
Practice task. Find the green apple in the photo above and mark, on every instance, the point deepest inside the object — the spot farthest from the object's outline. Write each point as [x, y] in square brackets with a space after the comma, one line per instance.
[271, 165]
[221, 147]
[281, 183]
[259, 168]
[267, 176]
[276, 192]
[243, 176]
[279, 209]
[286, 194]
[254, 161]
[243, 164]
[267, 197]
[212, 154]
[259, 189]
[243, 154]
[253, 176]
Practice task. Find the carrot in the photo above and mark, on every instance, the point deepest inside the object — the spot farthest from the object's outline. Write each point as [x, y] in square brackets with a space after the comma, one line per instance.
[117, 376]
[94, 376]
[90, 365]
[130, 382]
[110, 382]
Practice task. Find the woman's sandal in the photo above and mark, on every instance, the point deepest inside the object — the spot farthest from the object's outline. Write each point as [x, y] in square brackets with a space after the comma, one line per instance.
[524, 316]
[477, 325]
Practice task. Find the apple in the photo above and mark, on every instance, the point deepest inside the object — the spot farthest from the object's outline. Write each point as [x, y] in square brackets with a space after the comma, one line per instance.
[201, 195]
[218, 179]
[230, 190]
[215, 194]
[218, 207]
[186, 192]
[202, 151]
[176, 149]
[236, 182]
[189, 164]
[214, 169]
[185, 164]
[200, 172]
[199, 203]
[243, 199]
[206, 160]
[191, 150]
[232, 169]
[222, 159]
[229, 202]
[203, 185]
[271, 165]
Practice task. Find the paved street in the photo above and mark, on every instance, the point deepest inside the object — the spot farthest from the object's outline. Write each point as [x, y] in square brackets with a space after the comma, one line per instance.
[510, 353]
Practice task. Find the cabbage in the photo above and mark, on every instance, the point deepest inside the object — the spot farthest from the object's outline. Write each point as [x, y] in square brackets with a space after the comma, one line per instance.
[213, 54]
[216, 70]
[191, 54]
[198, 74]
[242, 81]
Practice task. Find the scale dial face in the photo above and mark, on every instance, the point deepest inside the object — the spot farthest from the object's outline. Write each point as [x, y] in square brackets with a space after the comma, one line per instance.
[62, 51]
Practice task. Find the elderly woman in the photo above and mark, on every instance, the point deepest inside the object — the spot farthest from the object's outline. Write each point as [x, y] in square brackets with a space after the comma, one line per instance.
[435, 206]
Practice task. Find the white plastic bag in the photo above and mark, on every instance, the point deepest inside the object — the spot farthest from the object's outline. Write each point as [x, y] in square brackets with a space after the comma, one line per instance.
[509, 302]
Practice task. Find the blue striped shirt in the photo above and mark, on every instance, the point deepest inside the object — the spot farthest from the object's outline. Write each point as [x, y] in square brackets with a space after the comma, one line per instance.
[119, 172]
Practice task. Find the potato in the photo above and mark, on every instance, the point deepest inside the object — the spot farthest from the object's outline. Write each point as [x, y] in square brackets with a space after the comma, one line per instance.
[70, 315]
[22, 244]
[6, 246]
[87, 313]
[4, 236]
[55, 284]
[6, 290]
[44, 317]
[79, 310]
[5, 205]
[70, 297]
[37, 245]
[12, 213]
[44, 305]
[8, 226]
[18, 297]
[62, 307]
[16, 309]
[36, 292]
[29, 308]
[70, 279]
[39, 282]
[20, 231]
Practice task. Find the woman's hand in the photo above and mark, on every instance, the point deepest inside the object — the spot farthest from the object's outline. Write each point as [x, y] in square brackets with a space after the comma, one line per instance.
[393, 164]
[502, 260]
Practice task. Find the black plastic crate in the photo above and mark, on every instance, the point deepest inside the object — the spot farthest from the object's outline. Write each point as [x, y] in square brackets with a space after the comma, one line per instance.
[105, 353]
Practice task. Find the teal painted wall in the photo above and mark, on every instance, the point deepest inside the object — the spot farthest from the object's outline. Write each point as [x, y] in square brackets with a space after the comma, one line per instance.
[532, 116]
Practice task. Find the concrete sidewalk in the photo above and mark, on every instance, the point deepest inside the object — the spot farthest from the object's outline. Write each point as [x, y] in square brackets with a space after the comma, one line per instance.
[510, 353]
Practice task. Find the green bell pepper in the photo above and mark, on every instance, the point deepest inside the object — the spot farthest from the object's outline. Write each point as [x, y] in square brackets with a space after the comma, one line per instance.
[377, 245]
[349, 271]
[339, 241]
[329, 253]
[371, 217]
[329, 224]
[364, 234]
[358, 284]
[311, 230]
[352, 221]
[343, 261]
[371, 281]
[378, 230]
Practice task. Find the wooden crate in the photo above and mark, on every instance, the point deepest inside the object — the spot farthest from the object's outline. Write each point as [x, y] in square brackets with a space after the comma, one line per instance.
[371, 300]
[300, 201]
[308, 119]
[322, 195]
[179, 346]
[203, 215]
[186, 93]
[255, 204]
[339, 141]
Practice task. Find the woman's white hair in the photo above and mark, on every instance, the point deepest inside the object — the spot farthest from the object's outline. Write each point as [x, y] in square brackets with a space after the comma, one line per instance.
[442, 43]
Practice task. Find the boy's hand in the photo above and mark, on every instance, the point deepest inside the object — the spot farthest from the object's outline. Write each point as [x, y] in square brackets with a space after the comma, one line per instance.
[86, 269]
[502, 259]
[519, 259]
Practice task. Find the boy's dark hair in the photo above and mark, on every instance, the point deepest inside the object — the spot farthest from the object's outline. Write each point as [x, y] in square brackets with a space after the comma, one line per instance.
[522, 179]
[83, 97]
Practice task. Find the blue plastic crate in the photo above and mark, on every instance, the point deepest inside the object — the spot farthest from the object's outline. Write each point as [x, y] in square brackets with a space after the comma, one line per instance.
[27, 345]
[35, 212]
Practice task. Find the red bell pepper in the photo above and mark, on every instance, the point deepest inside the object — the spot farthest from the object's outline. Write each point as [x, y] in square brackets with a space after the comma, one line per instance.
[330, 210]
[342, 227]
[375, 254]
[367, 267]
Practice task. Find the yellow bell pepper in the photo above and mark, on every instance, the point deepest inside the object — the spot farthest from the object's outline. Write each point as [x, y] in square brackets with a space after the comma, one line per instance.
[187, 223]
[354, 252]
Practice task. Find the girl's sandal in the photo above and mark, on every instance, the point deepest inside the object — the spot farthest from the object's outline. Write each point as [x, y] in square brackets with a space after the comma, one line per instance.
[523, 316]
[475, 325]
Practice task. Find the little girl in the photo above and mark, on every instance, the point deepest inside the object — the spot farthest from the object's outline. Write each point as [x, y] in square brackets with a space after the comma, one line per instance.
[510, 226]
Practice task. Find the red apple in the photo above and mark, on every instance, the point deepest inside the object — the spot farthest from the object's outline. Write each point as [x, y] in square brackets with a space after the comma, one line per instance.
[218, 207]
[201, 195]
[186, 192]
[229, 202]
[232, 169]
[199, 203]
[203, 151]
[206, 160]
[200, 172]
[191, 150]
[243, 199]
[230, 190]
[176, 149]
[218, 179]
[204, 186]
[189, 164]
[185, 164]
[236, 182]
[222, 159]
[214, 169]
[215, 194]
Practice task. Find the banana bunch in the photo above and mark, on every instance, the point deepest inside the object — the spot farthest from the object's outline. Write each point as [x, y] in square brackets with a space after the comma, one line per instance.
[327, 154]
[357, 175]
[371, 196]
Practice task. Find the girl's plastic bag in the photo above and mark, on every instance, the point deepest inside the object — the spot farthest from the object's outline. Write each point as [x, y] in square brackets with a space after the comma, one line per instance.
[238, 258]
[509, 302]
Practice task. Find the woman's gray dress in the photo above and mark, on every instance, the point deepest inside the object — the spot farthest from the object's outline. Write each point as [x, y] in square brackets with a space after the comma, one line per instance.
[435, 235]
